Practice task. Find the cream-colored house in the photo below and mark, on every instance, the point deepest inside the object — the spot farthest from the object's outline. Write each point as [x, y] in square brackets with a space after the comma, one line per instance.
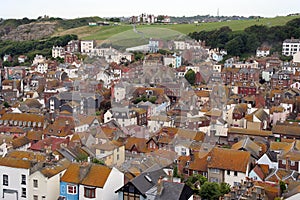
[112, 153]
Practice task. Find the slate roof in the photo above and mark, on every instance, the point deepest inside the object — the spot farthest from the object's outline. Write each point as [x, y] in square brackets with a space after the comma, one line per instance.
[145, 181]
[171, 190]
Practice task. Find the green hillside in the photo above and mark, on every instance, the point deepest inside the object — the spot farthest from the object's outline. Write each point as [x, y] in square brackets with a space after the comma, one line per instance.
[103, 33]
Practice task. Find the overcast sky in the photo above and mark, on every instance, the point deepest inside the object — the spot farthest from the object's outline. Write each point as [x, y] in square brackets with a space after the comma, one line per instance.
[109, 8]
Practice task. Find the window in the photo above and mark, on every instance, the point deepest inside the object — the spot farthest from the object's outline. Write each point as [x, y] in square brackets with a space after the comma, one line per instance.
[235, 173]
[216, 171]
[5, 179]
[214, 180]
[130, 196]
[283, 162]
[35, 183]
[228, 172]
[89, 192]
[118, 156]
[292, 163]
[35, 197]
[23, 192]
[72, 189]
[23, 182]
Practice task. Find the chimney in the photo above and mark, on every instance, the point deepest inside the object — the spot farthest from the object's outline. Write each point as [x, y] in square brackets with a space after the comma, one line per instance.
[160, 186]
[287, 166]
[170, 175]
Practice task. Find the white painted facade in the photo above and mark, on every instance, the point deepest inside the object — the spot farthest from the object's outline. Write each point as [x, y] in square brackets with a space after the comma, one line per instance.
[296, 57]
[182, 150]
[42, 68]
[254, 176]
[47, 188]
[14, 183]
[3, 149]
[296, 85]
[119, 93]
[72, 72]
[234, 178]
[58, 52]
[114, 181]
[81, 128]
[155, 125]
[290, 47]
[262, 52]
[87, 46]
[266, 161]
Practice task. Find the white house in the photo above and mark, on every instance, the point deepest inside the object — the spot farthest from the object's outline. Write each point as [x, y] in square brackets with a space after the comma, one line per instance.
[101, 183]
[41, 68]
[38, 59]
[123, 115]
[44, 183]
[14, 174]
[72, 71]
[155, 123]
[267, 74]
[83, 123]
[262, 51]
[58, 52]
[182, 148]
[119, 93]
[290, 46]
[295, 85]
[22, 58]
[269, 158]
[87, 46]
[228, 165]
[296, 57]
[106, 76]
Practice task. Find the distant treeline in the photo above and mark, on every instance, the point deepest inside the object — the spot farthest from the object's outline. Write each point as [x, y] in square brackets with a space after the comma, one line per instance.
[241, 43]
[32, 47]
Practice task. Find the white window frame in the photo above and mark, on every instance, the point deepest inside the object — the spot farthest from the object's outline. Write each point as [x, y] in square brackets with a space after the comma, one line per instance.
[74, 188]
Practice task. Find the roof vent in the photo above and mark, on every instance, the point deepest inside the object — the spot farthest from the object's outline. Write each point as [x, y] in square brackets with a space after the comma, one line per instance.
[148, 178]
[208, 158]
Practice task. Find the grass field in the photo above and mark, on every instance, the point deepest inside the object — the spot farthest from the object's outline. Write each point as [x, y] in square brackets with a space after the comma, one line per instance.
[126, 34]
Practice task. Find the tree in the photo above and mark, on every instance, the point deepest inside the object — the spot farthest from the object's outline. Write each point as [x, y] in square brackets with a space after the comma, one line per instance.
[152, 99]
[210, 191]
[7, 64]
[190, 76]
[6, 104]
[175, 172]
[195, 182]
[282, 186]
[224, 188]
[160, 18]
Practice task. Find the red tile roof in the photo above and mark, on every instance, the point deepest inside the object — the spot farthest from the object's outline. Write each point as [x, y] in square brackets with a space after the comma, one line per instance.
[228, 159]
